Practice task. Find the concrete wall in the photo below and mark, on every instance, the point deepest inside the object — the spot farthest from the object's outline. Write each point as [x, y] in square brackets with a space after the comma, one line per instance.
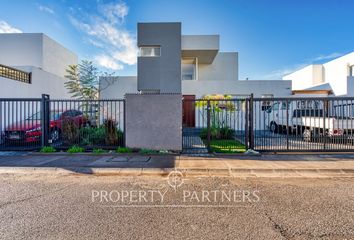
[37, 50]
[154, 121]
[223, 68]
[21, 49]
[42, 83]
[117, 87]
[278, 88]
[56, 58]
[306, 77]
[162, 73]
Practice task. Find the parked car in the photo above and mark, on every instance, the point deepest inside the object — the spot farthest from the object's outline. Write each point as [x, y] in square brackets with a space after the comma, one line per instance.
[30, 129]
[308, 120]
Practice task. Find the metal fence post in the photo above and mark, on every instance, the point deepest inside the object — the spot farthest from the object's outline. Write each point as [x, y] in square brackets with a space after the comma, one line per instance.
[251, 130]
[287, 124]
[247, 124]
[124, 121]
[45, 119]
[325, 106]
[208, 126]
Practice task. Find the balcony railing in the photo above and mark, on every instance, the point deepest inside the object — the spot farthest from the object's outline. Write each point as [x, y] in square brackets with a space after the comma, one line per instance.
[15, 74]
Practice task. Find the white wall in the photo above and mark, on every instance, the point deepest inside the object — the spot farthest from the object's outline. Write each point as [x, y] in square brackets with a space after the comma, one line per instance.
[21, 49]
[37, 50]
[56, 58]
[117, 87]
[42, 83]
[336, 73]
[278, 88]
[223, 68]
[306, 77]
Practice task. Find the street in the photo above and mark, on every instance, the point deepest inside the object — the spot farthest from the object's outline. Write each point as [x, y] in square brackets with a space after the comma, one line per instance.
[77, 206]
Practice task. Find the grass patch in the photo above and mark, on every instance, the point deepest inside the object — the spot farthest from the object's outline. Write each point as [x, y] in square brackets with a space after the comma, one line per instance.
[148, 151]
[75, 149]
[48, 149]
[227, 146]
[123, 150]
[98, 151]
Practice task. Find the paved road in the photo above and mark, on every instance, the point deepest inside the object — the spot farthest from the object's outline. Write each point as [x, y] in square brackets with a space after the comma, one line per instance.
[78, 207]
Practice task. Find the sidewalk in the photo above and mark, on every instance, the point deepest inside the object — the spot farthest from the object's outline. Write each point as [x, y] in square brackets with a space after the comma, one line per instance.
[284, 165]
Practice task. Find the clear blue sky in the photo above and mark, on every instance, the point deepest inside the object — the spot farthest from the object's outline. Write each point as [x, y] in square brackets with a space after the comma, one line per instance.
[272, 37]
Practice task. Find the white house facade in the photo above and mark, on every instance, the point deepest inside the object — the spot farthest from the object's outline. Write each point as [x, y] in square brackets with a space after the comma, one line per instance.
[336, 76]
[32, 64]
[193, 65]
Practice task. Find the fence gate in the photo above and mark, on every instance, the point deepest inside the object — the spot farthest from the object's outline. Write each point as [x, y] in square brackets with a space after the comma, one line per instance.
[214, 125]
[303, 124]
[268, 124]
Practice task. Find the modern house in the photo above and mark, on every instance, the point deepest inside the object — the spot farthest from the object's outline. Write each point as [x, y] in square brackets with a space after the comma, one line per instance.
[32, 64]
[192, 65]
[335, 77]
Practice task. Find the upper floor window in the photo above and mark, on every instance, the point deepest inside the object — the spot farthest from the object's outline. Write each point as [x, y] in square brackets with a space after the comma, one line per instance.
[150, 51]
[189, 69]
[15, 74]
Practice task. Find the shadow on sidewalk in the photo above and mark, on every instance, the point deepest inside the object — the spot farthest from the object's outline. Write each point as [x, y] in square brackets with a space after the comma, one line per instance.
[85, 163]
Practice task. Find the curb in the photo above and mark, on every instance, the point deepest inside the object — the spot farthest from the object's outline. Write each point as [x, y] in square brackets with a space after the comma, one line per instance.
[190, 172]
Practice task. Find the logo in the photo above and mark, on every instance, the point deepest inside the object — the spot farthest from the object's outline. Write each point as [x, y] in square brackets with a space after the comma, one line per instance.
[175, 179]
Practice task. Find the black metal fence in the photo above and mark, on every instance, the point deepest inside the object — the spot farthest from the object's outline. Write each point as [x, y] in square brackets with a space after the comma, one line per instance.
[268, 124]
[28, 124]
[214, 125]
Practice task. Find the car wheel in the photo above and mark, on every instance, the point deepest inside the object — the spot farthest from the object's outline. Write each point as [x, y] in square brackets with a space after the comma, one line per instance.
[54, 135]
[306, 135]
[274, 127]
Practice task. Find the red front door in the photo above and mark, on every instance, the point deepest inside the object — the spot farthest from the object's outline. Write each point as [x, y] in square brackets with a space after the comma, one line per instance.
[188, 111]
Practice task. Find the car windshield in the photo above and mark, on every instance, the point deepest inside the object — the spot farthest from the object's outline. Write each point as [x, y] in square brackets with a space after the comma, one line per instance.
[37, 116]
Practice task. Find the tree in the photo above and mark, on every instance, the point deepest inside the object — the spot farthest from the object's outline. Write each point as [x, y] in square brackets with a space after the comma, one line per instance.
[83, 80]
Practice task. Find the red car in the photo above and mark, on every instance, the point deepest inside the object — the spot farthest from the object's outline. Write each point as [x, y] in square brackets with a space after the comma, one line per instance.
[29, 130]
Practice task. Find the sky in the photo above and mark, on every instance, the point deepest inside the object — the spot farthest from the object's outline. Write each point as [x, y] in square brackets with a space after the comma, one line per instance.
[272, 37]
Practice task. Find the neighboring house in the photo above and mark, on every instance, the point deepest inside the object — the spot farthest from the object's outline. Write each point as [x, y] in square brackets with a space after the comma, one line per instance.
[32, 64]
[336, 76]
[193, 65]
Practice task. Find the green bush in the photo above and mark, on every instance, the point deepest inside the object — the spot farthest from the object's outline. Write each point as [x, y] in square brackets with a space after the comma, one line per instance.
[92, 135]
[217, 133]
[107, 134]
[75, 149]
[123, 150]
[48, 149]
[98, 151]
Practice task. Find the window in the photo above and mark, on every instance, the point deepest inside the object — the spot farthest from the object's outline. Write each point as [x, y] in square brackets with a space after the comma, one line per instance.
[266, 104]
[11, 73]
[189, 68]
[150, 51]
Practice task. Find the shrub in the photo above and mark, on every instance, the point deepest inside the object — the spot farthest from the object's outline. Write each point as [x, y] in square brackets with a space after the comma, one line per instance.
[111, 131]
[217, 133]
[75, 149]
[92, 135]
[48, 149]
[123, 150]
[70, 130]
[98, 151]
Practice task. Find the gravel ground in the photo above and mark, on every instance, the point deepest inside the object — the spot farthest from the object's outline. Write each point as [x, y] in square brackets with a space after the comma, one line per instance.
[74, 207]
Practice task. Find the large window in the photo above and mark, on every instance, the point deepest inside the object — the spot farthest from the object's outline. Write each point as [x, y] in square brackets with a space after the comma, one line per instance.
[15, 74]
[267, 103]
[150, 51]
[189, 68]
